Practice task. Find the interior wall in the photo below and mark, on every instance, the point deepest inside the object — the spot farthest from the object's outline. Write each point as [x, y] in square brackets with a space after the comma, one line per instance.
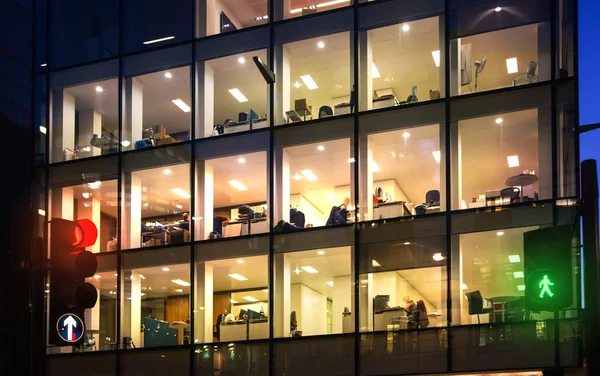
[342, 297]
[311, 309]
[311, 213]
[403, 287]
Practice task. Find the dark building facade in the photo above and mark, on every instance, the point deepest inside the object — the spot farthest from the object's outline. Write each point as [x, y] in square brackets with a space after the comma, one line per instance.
[363, 214]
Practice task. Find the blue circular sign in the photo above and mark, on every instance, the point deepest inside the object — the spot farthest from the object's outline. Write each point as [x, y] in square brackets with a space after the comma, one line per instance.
[70, 327]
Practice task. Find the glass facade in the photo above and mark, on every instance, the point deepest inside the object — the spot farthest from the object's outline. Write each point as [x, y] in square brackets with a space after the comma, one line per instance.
[338, 220]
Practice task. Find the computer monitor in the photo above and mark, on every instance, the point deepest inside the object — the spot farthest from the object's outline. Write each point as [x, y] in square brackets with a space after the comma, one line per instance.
[243, 314]
[243, 116]
[253, 115]
[253, 315]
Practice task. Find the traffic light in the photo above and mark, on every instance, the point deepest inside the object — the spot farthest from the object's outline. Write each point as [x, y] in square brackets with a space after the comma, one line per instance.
[548, 270]
[70, 264]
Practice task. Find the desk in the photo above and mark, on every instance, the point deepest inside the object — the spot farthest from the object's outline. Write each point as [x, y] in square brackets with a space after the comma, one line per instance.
[258, 329]
[521, 180]
[433, 209]
[233, 331]
[390, 210]
[244, 126]
[382, 319]
[239, 228]
[503, 301]
[347, 322]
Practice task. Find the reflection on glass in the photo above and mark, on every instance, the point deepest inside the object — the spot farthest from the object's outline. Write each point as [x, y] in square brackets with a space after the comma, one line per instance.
[298, 8]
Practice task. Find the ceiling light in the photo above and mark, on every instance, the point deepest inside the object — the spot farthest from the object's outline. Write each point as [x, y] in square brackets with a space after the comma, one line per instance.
[498, 9]
[159, 40]
[142, 276]
[250, 299]
[237, 185]
[375, 167]
[86, 195]
[181, 104]
[233, 301]
[181, 282]
[168, 75]
[309, 269]
[180, 192]
[320, 148]
[521, 287]
[309, 175]
[406, 135]
[238, 277]
[297, 85]
[86, 204]
[116, 274]
[393, 154]
[241, 60]
[519, 275]
[99, 89]
[499, 121]
[374, 71]
[242, 160]
[179, 206]
[375, 264]
[436, 57]
[309, 82]
[146, 204]
[464, 287]
[240, 261]
[165, 269]
[321, 253]
[500, 233]
[95, 185]
[297, 177]
[438, 257]
[511, 65]
[166, 171]
[43, 65]
[321, 44]
[43, 129]
[514, 259]
[405, 28]
[513, 160]
[351, 160]
[238, 95]
[406, 243]
[97, 276]
[125, 143]
[330, 283]
[437, 156]
[178, 290]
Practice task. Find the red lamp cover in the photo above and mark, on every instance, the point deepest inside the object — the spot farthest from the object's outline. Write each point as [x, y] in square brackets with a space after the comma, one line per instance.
[86, 233]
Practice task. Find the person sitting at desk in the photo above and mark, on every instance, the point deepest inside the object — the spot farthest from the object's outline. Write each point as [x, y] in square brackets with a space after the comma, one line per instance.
[339, 214]
[185, 223]
[411, 312]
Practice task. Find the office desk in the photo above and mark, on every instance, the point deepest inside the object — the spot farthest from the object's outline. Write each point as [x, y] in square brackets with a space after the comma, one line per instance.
[258, 329]
[390, 210]
[239, 228]
[433, 209]
[245, 126]
[233, 331]
[391, 316]
[347, 322]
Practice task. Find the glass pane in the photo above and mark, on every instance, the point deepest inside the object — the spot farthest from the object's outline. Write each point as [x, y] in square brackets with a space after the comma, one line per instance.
[242, 359]
[160, 362]
[40, 121]
[221, 16]
[84, 365]
[315, 356]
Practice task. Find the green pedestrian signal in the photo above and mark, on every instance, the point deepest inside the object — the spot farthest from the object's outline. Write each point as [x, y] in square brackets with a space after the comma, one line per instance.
[545, 284]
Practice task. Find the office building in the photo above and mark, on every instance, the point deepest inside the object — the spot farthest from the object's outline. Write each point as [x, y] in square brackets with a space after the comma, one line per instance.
[362, 215]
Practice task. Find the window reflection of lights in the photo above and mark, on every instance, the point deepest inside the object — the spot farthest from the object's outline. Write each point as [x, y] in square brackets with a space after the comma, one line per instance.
[438, 257]
[375, 264]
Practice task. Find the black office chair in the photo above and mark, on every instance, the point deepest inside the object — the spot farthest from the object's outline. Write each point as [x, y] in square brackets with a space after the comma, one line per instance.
[325, 111]
[432, 198]
[476, 304]
[420, 209]
[294, 332]
[511, 193]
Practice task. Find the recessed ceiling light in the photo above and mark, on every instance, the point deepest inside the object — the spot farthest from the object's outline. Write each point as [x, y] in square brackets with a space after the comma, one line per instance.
[436, 57]
[498, 9]
[237, 185]
[351, 160]
[179, 206]
[309, 82]
[330, 283]
[406, 135]
[181, 282]
[511, 65]
[43, 65]
[405, 27]
[182, 105]
[309, 175]
[180, 192]
[95, 185]
[237, 94]
[499, 121]
[374, 71]
[165, 269]
[321, 44]
[97, 276]
[519, 275]
[514, 259]
[86, 204]
[166, 171]
[320, 148]
[99, 89]
[178, 290]
[241, 60]
[437, 156]
[242, 160]
[297, 85]
[168, 75]
[521, 287]
[406, 243]
[250, 299]
[240, 261]
[159, 40]
[375, 167]
[375, 264]
[513, 160]
[500, 233]
[438, 257]
[321, 253]
[297, 177]
[309, 269]
[86, 195]
[238, 277]
[43, 129]
[233, 301]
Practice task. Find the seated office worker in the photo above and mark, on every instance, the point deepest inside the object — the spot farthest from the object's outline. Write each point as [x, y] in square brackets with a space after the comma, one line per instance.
[339, 214]
[185, 223]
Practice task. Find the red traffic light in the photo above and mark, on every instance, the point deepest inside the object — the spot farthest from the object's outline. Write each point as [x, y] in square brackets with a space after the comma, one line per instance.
[86, 233]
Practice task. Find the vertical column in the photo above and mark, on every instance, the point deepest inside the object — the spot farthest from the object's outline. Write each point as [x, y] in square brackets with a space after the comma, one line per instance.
[201, 23]
[455, 65]
[366, 302]
[92, 316]
[62, 134]
[342, 298]
[455, 166]
[205, 99]
[544, 33]
[544, 164]
[134, 107]
[442, 165]
[456, 290]
[365, 167]
[281, 206]
[282, 85]
[131, 303]
[365, 63]
[90, 123]
[442, 45]
[203, 311]
[281, 316]
[63, 203]
[282, 9]
[132, 212]
[204, 210]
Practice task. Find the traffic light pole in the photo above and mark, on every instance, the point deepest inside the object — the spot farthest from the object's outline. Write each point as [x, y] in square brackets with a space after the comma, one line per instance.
[589, 195]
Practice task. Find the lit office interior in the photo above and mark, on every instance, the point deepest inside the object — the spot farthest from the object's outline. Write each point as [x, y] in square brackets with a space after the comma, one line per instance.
[85, 112]
[313, 292]
[299, 8]
[401, 64]
[316, 79]
[228, 15]
[155, 291]
[235, 94]
[156, 99]
[503, 159]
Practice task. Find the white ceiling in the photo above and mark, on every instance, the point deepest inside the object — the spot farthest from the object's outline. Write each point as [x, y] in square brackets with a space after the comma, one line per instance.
[106, 103]
[246, 11]
[256, 269]
[429, 282]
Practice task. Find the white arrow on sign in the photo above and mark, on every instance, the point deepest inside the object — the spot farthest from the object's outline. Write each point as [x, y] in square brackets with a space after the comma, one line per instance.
[70, 324]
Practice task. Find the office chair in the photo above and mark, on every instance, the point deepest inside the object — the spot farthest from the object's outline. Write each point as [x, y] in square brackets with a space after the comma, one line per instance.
[420, 209]
[478, 305]
[432, 198]
[512, 194]
[528, 77]
[294, 332]
[412, 98]
[325, 111]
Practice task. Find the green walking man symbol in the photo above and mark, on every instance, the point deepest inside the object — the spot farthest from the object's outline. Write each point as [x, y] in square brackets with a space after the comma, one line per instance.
[545, 284]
